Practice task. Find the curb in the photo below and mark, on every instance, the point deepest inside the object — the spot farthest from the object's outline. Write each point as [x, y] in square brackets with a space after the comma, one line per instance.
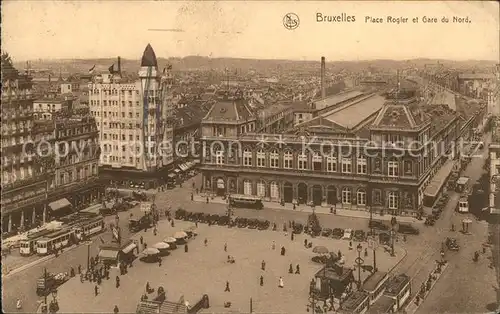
[34, 263]
[412, 301]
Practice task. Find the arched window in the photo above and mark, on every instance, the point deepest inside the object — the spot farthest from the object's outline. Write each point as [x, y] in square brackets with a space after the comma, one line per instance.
[361, 197]
[261, 158]
[275, 190]
[302, 161]
[361, 164]
[288, 160]
[393, 200]
[247, 157]
[261, 188]
[247, 187]
[346, 195]
[274, 159]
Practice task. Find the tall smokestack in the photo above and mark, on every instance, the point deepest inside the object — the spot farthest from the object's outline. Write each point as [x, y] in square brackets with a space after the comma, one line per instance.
[119, 65]
[323, 93]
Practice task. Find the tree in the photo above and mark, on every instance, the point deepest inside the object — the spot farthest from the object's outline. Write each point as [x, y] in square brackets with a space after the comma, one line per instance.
[313, 223]
[8, 70]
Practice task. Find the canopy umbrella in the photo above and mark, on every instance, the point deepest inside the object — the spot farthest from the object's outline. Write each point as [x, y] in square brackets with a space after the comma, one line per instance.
[180, 235]
[161, 246]
[320, 250]
[169, 240]
[150, 251]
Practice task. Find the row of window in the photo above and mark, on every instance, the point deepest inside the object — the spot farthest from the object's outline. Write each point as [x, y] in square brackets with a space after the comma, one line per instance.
[115, 125]
[114, 92]
[346, 194]
[303, 163]
[124, 137]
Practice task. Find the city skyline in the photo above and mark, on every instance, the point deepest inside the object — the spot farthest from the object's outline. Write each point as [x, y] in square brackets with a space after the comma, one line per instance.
[178, 29]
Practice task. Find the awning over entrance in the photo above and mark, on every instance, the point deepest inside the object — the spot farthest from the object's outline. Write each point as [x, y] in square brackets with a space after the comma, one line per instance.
[59, 204]
[220, 184]
[108, 254]
[93, 209]
[439, 179]
[129, 248]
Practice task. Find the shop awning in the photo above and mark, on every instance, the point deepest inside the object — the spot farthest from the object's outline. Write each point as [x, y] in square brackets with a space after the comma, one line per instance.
[108, 254]
[129, 248]
[189, 165]
[177, 170]
[183, 167]
[172, 175]
[59, 204]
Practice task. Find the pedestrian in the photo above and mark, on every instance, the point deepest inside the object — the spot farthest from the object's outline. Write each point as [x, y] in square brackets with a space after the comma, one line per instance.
[79, 269]
[484, 250]
[273, 246]
[263, 265]
[147, 287]
[116, 310]
[366, 252]
[185, 248]
[290, 269]
[192, 196]
[225, 247]
[96, 290]
[81, 277]
[280, 283]
[159, 262]
[117, 279]
[350, 245]
[19, 304]
[155, 231]
[227, 287]
[206, 242]
[141, 239]
[297, 269]
[196, 223]
[192, 185]
[339, 254]
[305, 242]
[283, 251]
[172, 223]
[207, 199]
[261, 281]
[145, 245]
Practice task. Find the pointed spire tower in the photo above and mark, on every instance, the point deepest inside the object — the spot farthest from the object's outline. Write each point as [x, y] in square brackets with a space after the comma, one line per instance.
[150, 90]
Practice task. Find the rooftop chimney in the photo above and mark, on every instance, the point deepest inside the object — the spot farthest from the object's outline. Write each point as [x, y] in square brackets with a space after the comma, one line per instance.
[323, 93]
[119, 65]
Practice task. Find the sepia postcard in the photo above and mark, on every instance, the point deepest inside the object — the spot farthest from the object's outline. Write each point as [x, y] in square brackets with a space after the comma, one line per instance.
[250, 157]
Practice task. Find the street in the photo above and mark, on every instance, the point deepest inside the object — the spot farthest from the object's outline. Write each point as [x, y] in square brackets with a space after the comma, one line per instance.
[456, 284]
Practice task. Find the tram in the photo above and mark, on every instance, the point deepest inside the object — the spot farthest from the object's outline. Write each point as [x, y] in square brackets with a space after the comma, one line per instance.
[55, 241]
[89, 227]
[28, 246]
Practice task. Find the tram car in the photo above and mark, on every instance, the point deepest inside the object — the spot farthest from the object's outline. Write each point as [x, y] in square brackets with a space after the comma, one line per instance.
[55, 241]
[28, 246]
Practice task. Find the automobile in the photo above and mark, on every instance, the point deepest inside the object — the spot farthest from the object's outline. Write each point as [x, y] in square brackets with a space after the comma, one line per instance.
[378, 224]
[326, 232]
[451, 244]
[408, 229]
[337, 233]
[359, 235]
[347, 234]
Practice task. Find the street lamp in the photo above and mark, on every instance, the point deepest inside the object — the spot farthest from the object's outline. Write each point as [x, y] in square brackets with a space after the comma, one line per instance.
[359, 262]
[393, 234]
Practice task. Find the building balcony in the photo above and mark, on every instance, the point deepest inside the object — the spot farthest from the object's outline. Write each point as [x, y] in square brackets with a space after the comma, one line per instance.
[72, 186]
[382, 179]
[25, 183]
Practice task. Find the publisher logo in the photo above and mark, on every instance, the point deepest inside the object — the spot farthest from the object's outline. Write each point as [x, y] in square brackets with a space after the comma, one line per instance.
[291, 21]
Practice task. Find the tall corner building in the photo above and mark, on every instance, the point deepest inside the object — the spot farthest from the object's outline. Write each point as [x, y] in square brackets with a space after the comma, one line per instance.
[134, 119]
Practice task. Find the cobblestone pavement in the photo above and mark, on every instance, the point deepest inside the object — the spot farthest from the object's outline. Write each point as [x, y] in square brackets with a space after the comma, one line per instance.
[205, 270]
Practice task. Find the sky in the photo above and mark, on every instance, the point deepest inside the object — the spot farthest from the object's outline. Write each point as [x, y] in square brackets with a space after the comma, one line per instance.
[100, 29]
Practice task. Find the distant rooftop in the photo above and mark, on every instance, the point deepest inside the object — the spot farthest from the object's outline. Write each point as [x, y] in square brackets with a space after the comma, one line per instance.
[336, 99]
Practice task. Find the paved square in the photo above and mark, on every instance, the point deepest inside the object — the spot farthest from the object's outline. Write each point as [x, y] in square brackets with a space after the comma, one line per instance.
[205, 270]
